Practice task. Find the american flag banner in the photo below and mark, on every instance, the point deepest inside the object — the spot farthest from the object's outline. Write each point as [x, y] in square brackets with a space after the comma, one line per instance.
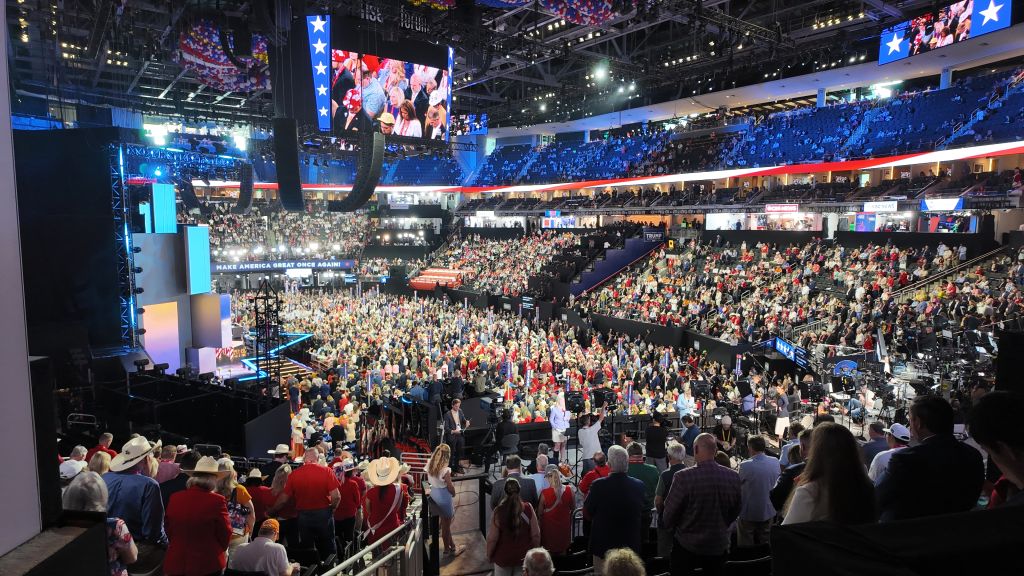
[318, 29]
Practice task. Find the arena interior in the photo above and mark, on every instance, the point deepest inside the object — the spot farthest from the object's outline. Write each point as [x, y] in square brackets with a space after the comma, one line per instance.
[512, 287]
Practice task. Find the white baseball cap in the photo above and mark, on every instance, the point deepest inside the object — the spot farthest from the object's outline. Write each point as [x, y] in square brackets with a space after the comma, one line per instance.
[899, 432]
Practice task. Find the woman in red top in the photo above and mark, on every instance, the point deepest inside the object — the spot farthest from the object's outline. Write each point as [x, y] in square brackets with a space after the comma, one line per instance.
[287, 516]
[556, 504]
[348, 506]
[197, 524]
[385, 503]
[514, 530]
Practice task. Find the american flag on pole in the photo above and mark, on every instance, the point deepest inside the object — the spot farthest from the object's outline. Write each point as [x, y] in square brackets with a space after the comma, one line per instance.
[318, 30]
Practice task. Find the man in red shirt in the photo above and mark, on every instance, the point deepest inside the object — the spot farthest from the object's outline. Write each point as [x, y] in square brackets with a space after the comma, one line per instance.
[103, 445]
[316, 493]
[600, 471]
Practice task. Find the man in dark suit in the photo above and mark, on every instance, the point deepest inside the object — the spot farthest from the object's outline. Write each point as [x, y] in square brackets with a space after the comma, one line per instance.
[455, 424]
[614, 504]
[940, 475]
[527, 487]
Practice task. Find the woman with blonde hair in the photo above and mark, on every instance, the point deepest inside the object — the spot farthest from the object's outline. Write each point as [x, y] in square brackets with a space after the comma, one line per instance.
[624, 562]
[287, 515]
[442, 490]
[99, 463]
[556, 505]
[239, 502]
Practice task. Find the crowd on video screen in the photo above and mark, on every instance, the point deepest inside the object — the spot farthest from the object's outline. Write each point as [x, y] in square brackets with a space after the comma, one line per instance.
[371, 93]
[949, 25]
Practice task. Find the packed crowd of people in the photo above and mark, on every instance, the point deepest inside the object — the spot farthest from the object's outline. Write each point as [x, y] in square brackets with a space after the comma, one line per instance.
[269, 233]
[503, 266]
[751, 293]
[713, 493]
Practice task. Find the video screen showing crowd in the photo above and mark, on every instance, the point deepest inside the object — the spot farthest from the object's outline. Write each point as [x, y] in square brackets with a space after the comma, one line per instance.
[370, 93]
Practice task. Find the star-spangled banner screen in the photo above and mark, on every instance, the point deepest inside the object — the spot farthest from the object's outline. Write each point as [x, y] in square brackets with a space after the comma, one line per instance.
[951, 24]
[360, 91]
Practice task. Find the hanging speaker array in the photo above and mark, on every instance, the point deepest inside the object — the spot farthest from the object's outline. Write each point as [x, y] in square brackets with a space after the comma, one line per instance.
[286, 157]
[245, 181]
[371, 158]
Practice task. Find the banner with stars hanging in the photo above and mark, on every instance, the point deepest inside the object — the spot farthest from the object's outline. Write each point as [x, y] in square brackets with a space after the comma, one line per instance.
[318, 29]
[951, 24]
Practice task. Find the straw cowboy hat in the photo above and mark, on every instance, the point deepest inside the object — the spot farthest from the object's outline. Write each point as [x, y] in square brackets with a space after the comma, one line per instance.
[382, 471]
[280, 450]
[207, 465]
[132, 453]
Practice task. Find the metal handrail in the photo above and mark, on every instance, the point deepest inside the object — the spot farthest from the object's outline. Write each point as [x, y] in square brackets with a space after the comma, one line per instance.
[912, 287]
[409, 522]
[372, 568]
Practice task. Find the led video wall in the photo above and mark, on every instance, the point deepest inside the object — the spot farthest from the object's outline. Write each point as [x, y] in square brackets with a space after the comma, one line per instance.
[953, 23]
[400, 88]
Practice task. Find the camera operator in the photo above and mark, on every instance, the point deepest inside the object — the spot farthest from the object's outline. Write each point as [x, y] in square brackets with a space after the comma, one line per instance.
[505, 426]
[590, 443]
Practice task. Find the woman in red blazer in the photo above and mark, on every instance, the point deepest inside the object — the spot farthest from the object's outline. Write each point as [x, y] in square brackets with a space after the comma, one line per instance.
[197, 524]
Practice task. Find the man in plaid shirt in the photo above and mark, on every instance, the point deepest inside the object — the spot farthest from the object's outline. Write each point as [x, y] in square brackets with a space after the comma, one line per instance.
[701, 507]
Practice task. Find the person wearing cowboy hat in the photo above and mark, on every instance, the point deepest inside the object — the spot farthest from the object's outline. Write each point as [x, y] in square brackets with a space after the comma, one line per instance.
[386, 501]
[387, 123]
[347, 513]
[262, 496]
[135, 498]
[316, 494]
[281, 453]
[198, 524]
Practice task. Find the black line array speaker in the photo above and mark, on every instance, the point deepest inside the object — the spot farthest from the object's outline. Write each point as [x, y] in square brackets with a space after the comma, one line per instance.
[244, 189]
[188, 196]
[371, 157]
[1011, 347]
[286, 156]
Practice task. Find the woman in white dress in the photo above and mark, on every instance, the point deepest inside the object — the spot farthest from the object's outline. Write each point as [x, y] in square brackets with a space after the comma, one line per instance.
[442, 493]
[407, 124]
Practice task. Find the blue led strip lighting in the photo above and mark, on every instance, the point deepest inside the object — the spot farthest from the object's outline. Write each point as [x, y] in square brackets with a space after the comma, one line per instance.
[318, 31]
[123, 246]
[293, 339]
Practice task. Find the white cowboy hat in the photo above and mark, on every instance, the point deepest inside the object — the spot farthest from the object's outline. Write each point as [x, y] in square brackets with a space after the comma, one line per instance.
[281, 450]
[132, 453]
[207, 465]
[382, 471]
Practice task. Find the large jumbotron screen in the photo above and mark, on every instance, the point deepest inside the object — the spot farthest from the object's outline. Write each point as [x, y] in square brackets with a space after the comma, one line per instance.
[362, 84]
[950, 24]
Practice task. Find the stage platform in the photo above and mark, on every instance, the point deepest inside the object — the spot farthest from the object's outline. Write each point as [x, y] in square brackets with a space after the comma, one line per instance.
[433, 277]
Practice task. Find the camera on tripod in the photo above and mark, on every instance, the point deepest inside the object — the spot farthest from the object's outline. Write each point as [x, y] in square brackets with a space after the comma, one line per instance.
[602, 396]
[494, 409]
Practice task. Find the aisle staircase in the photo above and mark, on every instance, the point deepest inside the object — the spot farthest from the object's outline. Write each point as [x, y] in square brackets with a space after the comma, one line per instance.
[907, 293]
[287, 366]
[277, 361]
[857, 136]
[531, 157]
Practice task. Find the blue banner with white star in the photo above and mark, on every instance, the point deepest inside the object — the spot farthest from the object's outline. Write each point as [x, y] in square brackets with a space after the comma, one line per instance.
[954, 23]
[318, 28]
